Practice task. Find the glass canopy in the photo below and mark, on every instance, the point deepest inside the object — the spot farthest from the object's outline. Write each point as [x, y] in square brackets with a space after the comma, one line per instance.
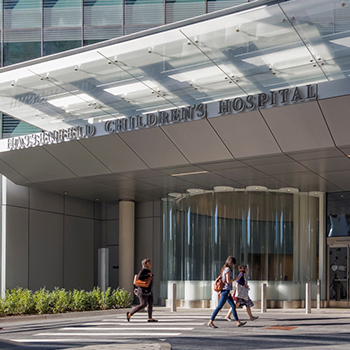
[267, 47]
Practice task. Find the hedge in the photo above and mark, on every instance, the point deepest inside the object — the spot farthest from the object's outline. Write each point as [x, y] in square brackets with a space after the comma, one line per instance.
[20, 301]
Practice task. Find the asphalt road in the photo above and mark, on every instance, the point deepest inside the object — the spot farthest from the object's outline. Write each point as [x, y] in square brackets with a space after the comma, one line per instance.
[326, 329]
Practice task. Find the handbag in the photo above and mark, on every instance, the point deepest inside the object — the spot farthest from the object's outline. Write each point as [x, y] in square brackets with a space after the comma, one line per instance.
[142, 283]
[242, 292]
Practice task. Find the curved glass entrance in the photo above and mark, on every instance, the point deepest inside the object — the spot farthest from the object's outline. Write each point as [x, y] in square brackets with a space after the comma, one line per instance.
[274, 232]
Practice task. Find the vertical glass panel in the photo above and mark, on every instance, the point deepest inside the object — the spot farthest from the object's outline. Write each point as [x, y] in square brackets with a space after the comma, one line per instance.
[240, 224]
[313, 232]
[143, 14]
[197, 246]
[286, 236]
[338, 289]
[196, 236]
[177, 10]
[223, 230]
[62, 25]
[22, 30]
[254, 239]
[103, 19]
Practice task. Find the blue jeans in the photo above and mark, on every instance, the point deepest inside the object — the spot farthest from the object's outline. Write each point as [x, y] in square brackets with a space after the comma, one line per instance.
[225, 296]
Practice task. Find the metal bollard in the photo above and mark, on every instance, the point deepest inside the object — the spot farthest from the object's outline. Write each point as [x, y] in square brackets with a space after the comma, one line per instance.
[263, 297]
[173, 298]
[308, 298]
[318, 294]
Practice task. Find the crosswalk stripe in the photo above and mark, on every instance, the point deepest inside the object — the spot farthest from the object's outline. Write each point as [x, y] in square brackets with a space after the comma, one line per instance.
[75, 340]
[139, 323]
[181, 317]
[144, 334]
[129, 328]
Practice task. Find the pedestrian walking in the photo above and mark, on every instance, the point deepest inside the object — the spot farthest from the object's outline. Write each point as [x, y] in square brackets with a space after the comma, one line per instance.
[241, 294]
[227, 279]
[145, 294]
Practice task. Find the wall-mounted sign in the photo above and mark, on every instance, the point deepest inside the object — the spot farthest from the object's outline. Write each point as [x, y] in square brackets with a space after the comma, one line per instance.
[233, 106]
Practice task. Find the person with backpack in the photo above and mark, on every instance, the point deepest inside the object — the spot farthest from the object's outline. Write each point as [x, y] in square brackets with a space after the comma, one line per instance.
[227, 279]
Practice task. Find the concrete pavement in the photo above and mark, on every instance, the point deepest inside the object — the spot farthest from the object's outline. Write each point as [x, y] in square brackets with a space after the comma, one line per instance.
[287, 329]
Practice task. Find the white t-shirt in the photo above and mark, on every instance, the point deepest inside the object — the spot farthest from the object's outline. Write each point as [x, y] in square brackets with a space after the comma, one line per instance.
[227, 286]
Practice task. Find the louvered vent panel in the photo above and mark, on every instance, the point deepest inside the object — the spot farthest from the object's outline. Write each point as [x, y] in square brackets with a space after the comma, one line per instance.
[22, 20]
[103, 19]
[62, 20]
[177, 10]
[139, 28]
[149, 12]
[102, 33]
[22, 35]
[13, 127]
[62, 34]
[223, 4]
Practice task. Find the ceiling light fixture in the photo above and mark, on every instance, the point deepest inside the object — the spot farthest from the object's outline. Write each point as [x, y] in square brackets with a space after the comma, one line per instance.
[192, 173]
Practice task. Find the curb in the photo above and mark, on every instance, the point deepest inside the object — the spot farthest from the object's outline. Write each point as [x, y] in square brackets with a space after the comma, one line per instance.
[77, 314]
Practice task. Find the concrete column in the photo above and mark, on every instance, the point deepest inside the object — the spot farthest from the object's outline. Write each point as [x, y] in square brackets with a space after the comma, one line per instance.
[126, 244]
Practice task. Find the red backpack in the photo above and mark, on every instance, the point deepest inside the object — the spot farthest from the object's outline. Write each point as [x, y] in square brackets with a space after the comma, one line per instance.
[218, 284]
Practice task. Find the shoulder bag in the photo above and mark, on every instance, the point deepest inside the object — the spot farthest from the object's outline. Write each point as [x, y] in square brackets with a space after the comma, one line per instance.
[142, 283]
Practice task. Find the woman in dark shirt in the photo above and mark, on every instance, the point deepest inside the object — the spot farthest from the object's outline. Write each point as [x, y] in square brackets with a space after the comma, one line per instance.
[145, 294]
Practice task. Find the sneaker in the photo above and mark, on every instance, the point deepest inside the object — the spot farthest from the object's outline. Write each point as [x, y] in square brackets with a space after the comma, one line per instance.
[254, 318]
[211, 324]
[241, 324]
[228, 319]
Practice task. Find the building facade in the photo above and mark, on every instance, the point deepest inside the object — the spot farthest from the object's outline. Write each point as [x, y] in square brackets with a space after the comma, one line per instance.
[183, 131]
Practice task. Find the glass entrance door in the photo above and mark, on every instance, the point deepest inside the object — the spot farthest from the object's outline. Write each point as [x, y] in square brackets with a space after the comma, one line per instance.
[338, 258]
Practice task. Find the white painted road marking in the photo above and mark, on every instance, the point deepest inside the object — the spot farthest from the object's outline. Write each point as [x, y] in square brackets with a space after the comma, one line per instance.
[144, 334]
[128, 328]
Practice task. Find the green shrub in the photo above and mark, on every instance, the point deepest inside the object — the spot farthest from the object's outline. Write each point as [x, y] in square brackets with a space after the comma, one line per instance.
[106, 301]
[61, 300]
[43, 301]
[81, 300]
[18, 301]
[23, 301]
[121, 298]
